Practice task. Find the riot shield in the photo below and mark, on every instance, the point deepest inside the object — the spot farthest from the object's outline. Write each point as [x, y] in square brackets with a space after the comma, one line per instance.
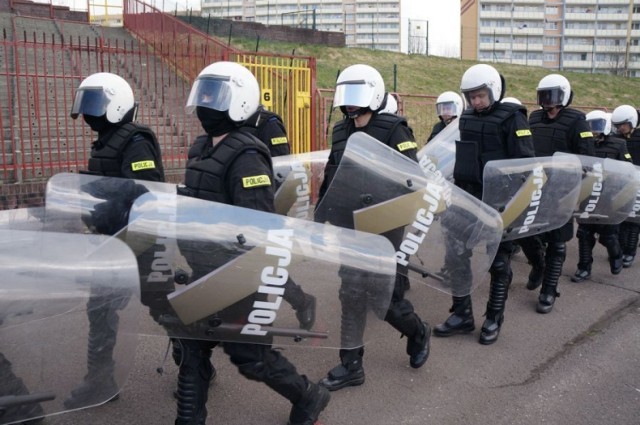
[634, 215]
[443, 237]
[440, 152]
[82, 203]
[23, 219]
[298, 178]
[251, 275]
[607, 192]
[533, 195]
[51, 283]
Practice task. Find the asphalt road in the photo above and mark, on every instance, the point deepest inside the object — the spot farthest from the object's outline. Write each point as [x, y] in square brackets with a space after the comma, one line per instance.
[579, 365]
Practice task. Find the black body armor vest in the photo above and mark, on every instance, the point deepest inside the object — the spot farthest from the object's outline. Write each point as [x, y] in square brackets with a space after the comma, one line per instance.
[551, 137]
[207, 165]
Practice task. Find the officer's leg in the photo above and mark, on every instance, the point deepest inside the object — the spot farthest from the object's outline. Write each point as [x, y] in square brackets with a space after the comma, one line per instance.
[194, 375]
[99, 382]
[586, 242]
[403, 318]
[304, 304]
[11, 385]
[354, 311]
[533, 248]
[457, 277]
[629, 235]
[263, 364]
[609, 238]
[501, 276]
[555, 255]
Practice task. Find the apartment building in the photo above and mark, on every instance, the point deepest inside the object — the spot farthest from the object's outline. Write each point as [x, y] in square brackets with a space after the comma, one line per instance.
[366, 23]
[594, 36]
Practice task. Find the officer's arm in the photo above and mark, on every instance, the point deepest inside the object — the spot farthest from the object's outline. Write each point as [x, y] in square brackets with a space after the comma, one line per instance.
[623, 153]
[139, 160]
[520, 140]
[250, 182]
[404, 142]
[275, 137]
[583, 141]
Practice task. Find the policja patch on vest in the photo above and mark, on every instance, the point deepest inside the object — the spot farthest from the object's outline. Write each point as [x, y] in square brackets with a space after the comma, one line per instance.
[256, 181]
[279, 140]
[586, 134]
[523, 133]
[407, 145]
[143, 165]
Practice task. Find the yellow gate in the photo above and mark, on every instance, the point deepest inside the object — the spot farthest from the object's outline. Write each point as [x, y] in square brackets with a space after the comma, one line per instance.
[287, 84]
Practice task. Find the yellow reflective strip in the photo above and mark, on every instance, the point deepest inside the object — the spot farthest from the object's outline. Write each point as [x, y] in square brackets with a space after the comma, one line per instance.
[522, 133]
[256, 181]
[279, 140]
[585, 134]
[407, 145]
[143, 165]
[627, 155]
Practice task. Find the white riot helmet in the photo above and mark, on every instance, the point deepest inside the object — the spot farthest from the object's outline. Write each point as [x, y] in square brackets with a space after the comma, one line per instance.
[449, 103]
[104, 94]
[554, 90]
[511, 100]
[625, 114]
[390, 105]
[599, 122]
[226, 87]
[482, 76]
[359, 85]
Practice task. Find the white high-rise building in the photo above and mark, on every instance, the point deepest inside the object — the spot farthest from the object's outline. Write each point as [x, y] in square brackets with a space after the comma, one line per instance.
[371, 24]
[575, 35]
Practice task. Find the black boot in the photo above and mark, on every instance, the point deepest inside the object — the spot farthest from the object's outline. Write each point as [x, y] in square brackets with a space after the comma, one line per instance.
[99, 384]
[533, 249]
[193, 384]
[461, 321]
[418, 347]
[586, 242]
[176, 354]
[552, 271]
[304, 304]
[612, 243]
[307, 410]
[348, 373]
[13, 386]
[629, 235]
[501, 276]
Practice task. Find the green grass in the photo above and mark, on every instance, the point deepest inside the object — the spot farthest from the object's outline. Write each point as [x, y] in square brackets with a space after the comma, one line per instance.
[432, 75]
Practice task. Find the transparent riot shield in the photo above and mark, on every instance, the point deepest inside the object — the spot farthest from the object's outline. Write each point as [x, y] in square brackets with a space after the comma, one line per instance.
[607, 192]
[251, 276]
[84, 203]
[23, 219]
[298, 178]
[440, 153]
[634, 215]
[533, 195]
[52, 283]
[443, 237]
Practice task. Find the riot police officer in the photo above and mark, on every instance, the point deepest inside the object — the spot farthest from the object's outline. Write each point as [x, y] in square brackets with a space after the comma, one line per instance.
[606, 146]
[489, 130]
[124, 149]
[219, 169]
[556, 128]
[360, 95]
[449, 106]
[625, 120]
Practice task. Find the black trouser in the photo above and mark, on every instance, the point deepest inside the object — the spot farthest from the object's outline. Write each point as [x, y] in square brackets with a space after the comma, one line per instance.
[607, 236]
[629, 235]
[254, 361]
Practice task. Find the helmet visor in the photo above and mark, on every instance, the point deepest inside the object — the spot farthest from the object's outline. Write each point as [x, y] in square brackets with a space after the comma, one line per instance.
[597, 125]
[89, 101]
[446, 108]
[213, 92]
[550, 97]
[353, 93]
